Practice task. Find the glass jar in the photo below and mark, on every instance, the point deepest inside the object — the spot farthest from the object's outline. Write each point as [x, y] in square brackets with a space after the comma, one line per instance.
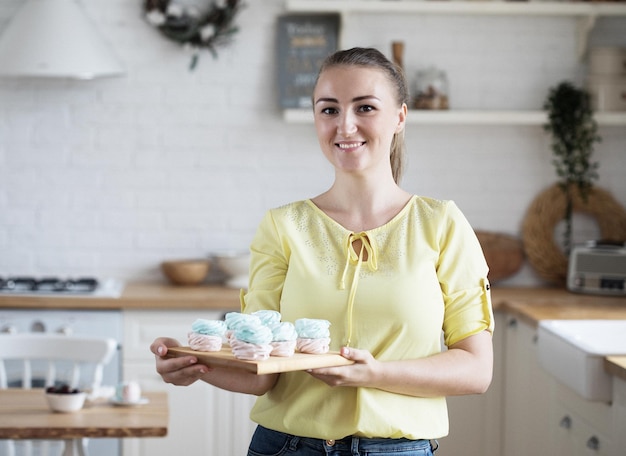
[431, 89]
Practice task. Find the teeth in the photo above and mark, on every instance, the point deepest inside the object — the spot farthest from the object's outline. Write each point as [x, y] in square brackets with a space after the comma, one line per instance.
[349, 146]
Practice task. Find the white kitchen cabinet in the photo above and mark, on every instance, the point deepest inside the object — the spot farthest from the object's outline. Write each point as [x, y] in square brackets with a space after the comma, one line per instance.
[581, 427]
[524, 409]
[476, 421]
[542, 415]
[204, 420]
[619, 413]
[528, 394]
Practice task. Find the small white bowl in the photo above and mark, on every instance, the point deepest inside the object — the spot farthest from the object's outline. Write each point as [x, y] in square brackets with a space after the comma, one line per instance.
[234, 264]
[66, 402]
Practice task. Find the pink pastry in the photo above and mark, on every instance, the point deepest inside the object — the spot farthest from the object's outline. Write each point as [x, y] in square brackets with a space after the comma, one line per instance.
[249, 351]
[284, 348]
[284, 337]
[251, 342]
[313, 335]
[206, 335]
[317, 346]
[203, 342]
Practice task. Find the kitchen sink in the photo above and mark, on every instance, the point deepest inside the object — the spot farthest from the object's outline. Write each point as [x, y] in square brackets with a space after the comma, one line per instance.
[573, 351]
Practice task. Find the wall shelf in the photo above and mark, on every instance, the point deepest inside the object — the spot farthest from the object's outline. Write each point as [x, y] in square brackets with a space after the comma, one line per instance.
[586, 12]
[469, 117]
[460, 7]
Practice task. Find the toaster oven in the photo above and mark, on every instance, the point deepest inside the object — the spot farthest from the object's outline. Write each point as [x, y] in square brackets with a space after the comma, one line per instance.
[598, 268]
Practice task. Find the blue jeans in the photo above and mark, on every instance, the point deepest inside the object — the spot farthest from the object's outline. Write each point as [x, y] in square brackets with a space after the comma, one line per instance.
[266, 442]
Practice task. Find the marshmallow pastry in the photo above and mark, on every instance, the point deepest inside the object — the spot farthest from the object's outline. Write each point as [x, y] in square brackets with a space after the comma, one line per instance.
[235, 320]
[313, 336]
[206, 335]
[251, 342]
[268, 317]
[284, 338]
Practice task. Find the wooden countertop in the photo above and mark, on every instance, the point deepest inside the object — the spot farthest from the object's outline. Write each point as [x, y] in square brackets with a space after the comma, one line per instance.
[136, 296]
[532, 304]
[616, 365]
[535, 304]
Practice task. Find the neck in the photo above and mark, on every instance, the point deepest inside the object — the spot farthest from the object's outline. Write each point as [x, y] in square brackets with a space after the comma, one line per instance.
[362, 204]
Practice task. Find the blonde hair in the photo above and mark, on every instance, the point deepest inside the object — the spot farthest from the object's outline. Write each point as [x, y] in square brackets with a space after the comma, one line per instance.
[372, 58]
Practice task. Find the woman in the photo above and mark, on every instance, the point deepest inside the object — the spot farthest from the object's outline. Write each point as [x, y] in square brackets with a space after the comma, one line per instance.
[388, 269]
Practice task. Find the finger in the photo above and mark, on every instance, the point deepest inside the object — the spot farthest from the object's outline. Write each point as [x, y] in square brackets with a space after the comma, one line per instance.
[186, 376]
[158, 348]
[166, 366]
[354, 354]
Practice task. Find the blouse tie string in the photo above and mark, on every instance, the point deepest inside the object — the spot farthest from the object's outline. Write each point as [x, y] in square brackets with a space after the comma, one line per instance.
[352, 257]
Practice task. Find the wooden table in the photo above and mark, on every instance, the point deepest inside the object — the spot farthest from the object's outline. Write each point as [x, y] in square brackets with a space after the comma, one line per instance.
[24, 414]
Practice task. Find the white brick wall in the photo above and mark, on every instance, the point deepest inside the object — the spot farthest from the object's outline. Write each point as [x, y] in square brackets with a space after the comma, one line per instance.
[109, 177]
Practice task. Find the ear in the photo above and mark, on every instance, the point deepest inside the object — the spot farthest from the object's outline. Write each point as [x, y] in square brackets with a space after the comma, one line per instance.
[402, 117]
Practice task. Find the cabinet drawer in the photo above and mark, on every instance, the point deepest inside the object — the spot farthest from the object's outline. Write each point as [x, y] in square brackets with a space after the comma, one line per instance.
[598, 413]
[579, 433]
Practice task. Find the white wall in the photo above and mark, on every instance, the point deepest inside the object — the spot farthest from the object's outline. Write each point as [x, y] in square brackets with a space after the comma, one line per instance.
[109, 177]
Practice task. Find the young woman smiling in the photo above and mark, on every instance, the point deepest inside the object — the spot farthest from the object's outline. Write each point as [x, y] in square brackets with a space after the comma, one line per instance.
[391, 271]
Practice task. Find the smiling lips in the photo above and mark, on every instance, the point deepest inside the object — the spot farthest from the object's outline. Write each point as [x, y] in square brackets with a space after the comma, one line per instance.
[350, 145]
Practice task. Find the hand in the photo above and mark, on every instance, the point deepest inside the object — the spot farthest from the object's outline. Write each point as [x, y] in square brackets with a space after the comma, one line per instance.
[361, 373]
[181, 371]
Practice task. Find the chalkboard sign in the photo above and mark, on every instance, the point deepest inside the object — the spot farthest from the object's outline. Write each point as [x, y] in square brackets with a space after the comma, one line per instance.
[304, 41]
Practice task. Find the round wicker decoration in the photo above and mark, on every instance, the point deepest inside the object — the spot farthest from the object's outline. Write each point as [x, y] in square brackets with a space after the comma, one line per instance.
[548, 209]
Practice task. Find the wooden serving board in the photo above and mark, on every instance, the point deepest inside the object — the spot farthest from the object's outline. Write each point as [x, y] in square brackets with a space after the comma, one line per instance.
[272, 365]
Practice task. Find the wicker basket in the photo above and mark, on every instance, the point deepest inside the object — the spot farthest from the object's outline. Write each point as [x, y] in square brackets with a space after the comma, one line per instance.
[504, 254]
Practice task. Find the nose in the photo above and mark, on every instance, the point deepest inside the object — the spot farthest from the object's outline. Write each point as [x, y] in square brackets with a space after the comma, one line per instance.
[347, 124]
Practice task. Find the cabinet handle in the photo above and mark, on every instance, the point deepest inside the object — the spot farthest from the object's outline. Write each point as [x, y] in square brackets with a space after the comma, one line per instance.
[566, 422]
[593, 443]
[65, 330]
[8, 329]
[38, 327]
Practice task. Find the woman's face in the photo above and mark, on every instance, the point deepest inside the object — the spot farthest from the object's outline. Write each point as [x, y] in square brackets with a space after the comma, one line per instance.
[356, 116]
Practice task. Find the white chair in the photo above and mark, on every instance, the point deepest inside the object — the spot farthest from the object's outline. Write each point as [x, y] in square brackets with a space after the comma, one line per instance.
[42, 360]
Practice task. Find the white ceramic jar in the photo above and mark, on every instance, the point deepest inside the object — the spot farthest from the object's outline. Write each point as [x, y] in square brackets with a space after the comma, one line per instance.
[607, 78]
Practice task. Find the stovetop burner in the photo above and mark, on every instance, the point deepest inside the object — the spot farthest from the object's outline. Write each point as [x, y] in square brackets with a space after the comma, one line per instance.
[33, 285]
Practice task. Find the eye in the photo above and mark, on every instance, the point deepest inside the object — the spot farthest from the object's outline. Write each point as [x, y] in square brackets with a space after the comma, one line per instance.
[366, 108]
[328, 111]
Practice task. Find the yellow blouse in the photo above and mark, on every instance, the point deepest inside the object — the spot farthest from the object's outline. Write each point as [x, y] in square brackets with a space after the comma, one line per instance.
[423, 273]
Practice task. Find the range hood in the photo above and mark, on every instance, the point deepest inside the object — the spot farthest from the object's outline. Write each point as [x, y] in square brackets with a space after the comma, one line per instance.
[54, 38]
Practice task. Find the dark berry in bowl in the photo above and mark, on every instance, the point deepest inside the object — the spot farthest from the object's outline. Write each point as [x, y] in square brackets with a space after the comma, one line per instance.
[61, 389]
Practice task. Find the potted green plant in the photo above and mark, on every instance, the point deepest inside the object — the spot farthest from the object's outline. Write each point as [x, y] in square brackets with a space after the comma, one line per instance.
[574, 133]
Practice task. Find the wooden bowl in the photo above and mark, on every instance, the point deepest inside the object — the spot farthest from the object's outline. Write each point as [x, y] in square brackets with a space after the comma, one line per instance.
[186, 272]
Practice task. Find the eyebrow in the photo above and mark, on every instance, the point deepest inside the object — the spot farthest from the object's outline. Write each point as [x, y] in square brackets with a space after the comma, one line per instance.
[334, 100]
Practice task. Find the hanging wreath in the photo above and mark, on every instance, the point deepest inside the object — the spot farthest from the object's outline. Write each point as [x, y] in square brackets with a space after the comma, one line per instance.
[546, 211]
[192, 27]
